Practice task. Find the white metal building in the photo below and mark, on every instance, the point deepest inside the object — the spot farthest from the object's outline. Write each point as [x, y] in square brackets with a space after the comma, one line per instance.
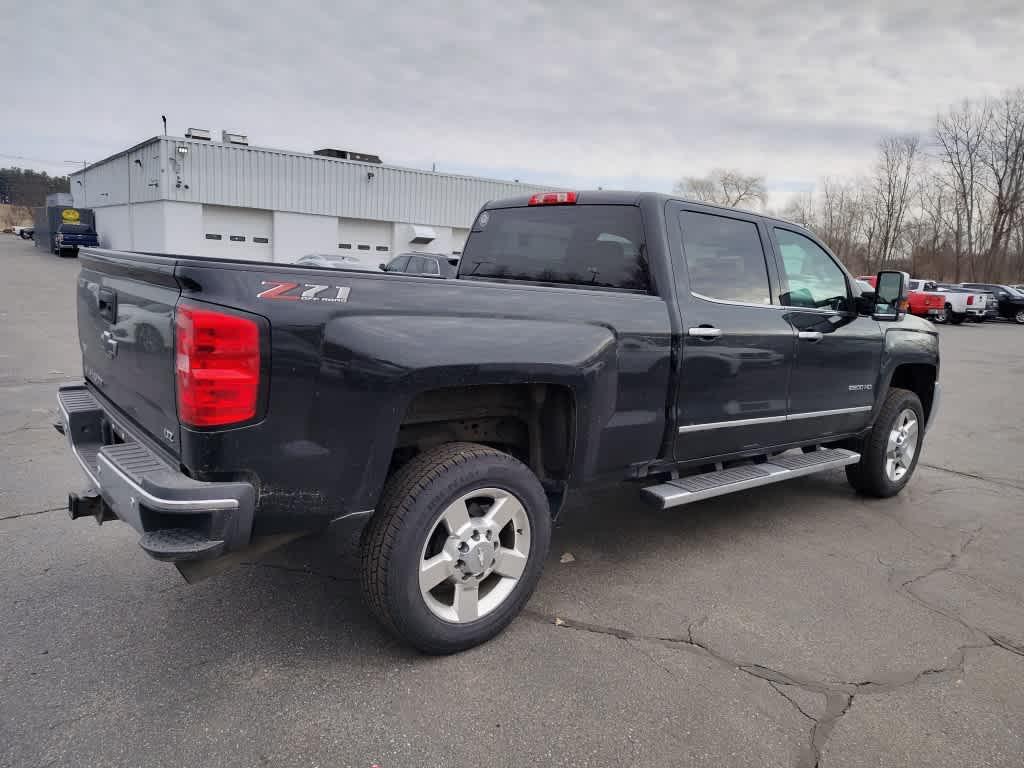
[205, 198]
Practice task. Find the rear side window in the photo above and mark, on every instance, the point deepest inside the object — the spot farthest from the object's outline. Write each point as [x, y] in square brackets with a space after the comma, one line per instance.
[584, 245]
[724, 258]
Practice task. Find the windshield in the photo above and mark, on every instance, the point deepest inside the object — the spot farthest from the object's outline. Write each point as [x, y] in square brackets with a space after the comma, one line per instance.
[585, 245]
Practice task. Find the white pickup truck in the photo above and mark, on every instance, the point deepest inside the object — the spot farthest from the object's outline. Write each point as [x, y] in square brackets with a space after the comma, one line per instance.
[961, 303]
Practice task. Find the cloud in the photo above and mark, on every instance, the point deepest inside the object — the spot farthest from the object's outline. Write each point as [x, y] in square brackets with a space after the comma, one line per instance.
[561, 93]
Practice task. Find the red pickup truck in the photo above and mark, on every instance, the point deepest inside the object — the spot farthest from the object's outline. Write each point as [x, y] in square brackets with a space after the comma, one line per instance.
[923, 300]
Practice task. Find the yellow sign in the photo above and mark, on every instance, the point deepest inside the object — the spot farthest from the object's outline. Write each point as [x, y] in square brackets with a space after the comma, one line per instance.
[70, 215]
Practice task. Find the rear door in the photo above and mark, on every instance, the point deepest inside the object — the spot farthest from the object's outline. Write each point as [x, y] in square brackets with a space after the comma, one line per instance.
[125, 331]
[838, 351]
[737, 346]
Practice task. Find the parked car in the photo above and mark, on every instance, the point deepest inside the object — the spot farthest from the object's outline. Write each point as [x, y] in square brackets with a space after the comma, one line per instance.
[333, 261]
[1009, 301]
[449, 422]
[922, 299]
[925, 301]
[961, 303]
[71, 237]
[426, 264]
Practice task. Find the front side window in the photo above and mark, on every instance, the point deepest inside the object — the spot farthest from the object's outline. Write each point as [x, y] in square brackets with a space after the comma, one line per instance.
[815, 280]
[398, 263]
[724, 258]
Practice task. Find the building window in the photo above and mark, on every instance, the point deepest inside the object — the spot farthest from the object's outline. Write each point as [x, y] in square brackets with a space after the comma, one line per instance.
[214, 237]
[364, 247]
[237, 238]
[345, 245]
[261, 239]
[382, 248]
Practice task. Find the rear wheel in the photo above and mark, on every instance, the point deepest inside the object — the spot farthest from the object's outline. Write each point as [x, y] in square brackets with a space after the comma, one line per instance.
[941, 316]
[1019, 317]
[455, 547]
[955, 317]
[889, 453]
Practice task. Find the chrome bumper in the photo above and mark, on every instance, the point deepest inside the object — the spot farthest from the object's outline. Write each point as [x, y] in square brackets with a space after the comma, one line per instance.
[178, 518]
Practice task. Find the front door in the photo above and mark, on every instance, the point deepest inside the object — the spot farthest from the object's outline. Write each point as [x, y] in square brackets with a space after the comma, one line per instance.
[838, 351]
[737, 344]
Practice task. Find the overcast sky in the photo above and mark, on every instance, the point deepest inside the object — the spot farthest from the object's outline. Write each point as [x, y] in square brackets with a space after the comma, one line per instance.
[569, 93]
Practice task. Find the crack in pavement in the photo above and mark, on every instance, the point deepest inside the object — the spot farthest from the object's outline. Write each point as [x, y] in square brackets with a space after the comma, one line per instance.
[839, 695]
[33, 513]
[972, 476]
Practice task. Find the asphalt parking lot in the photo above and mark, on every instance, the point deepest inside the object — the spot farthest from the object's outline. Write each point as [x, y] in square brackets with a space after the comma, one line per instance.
[792, 625]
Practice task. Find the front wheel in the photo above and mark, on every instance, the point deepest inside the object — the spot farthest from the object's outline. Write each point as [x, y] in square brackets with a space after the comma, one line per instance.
[941, 316]
[889, 452]
[455, 547]
[1019, 317]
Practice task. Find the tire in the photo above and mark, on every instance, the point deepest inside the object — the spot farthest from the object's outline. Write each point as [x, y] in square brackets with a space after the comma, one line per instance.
[941, 317]
[410, 527]
[956, 318]
[1019, 317]
[872, 475]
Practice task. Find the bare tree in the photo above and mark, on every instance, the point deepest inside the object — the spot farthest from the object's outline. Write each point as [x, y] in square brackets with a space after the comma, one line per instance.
[959, 136]
[1002, 155]
[891, 187]
[725, 187]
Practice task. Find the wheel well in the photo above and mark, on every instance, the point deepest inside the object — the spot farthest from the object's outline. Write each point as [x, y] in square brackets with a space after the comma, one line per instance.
[919, 378]
[536, 423]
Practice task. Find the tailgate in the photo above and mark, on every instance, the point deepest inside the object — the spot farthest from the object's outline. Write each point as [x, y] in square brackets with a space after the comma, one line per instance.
[125, 330]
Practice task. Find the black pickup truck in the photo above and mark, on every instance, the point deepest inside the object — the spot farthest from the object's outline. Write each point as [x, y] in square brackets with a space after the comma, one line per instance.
[696, 350]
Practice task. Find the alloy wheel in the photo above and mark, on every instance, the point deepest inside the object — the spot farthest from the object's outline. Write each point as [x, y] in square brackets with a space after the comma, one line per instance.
[474, 555]
[902, 445]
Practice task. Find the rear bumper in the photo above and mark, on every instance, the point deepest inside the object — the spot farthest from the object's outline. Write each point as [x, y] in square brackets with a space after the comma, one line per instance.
[178, 518]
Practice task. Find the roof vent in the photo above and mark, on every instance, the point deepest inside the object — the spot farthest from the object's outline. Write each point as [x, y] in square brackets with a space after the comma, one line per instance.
[197, 133]
[234, 138]
[347, 154]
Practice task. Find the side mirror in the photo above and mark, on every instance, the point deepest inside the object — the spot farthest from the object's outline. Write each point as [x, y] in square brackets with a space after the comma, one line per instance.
[383, 267]
[890, 295]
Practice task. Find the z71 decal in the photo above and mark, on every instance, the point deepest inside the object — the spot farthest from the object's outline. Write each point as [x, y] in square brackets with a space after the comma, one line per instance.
[280, 291]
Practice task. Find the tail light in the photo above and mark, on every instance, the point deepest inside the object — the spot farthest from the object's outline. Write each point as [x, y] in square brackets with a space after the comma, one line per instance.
[970, 299]
[553, 198]
[217, 366]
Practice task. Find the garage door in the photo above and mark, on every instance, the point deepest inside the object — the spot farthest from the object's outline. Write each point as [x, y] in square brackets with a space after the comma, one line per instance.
[369, 241]
[237, 233]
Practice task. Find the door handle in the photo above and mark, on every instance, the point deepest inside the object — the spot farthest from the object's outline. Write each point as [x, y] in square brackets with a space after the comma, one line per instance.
[106, 301]
[704, 332]
[812, 336]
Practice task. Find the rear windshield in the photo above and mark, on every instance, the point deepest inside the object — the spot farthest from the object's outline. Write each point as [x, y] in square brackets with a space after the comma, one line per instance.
[75, 229]
[585, 245]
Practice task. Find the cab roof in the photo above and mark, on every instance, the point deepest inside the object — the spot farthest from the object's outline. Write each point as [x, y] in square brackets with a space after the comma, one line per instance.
[626, 197]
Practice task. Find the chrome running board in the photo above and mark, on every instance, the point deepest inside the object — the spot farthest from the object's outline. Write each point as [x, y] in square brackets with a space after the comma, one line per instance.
[785, 466]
